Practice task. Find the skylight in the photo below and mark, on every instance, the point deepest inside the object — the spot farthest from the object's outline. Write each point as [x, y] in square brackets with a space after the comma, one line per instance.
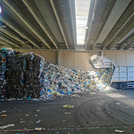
[82, 10]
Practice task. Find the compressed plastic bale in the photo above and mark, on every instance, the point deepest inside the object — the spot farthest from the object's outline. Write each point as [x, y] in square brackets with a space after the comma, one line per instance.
[22, 73]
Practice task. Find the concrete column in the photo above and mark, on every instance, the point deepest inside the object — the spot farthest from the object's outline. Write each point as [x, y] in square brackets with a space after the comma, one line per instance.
[59, 57]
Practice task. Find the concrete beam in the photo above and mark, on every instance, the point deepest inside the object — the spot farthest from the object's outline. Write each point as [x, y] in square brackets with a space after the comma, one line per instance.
[59, 57]
[127, 41]
[73, 20]
[25, 21]
[19, 32]
[37, 16]
[129, 45]
[59, 23]
[12, 35]
[8, 41]
[120, 24]
[101, 12]
[126, 28]
[3, 43]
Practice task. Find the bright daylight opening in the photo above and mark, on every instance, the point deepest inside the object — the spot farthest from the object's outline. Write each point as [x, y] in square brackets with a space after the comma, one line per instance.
[82, 10]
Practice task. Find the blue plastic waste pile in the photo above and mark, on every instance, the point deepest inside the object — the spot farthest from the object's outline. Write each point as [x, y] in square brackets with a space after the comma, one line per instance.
[58, 80]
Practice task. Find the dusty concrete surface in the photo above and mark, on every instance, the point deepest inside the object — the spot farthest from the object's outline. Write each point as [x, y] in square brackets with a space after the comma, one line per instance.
[98, 113]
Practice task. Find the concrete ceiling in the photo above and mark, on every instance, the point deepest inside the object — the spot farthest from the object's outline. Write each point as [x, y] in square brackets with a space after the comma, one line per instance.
[51, 24]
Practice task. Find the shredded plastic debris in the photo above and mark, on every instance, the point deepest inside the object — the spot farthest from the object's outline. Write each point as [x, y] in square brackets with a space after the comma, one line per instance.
[6, 126]
[4, 111]
[4, 115]
[120, 131]
[22, 122]
[118, 103]
[68, 106]
[38, 128]
[38, 121]
[67, 113]
[75, 95]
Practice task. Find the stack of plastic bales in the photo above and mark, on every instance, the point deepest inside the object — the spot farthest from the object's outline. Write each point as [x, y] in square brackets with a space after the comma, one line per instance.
[2, 74]
[20, 74]
[23, 76]
[3, 68]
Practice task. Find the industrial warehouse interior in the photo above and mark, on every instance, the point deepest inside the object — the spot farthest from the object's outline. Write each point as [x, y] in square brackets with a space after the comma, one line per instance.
[66, 66]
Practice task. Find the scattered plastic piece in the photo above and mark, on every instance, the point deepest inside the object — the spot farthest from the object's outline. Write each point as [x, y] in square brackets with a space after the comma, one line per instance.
[92, 93]
[118, 103]
[68, 113]
[4, 111]
[6, 126]
[27, 114]
[68, 106]
[37, 128]
[37, 110]
[38, 121]
[4, 115]
[22, 122]
[29, 98]
[120, 131]
[75, 95]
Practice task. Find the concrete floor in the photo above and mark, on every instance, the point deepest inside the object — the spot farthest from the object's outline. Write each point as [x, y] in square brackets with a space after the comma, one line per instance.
[92, 113]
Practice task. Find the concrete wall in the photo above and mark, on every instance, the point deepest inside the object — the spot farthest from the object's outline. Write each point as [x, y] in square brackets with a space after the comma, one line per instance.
[121, 58]
[75, 59]
[50, 56]
[79, 59]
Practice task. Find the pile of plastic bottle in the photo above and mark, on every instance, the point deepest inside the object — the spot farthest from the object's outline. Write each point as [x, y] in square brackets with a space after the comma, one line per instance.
[57, 81]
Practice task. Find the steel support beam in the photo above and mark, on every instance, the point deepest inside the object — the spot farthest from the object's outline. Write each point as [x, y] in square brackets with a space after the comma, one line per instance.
[25, 21]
